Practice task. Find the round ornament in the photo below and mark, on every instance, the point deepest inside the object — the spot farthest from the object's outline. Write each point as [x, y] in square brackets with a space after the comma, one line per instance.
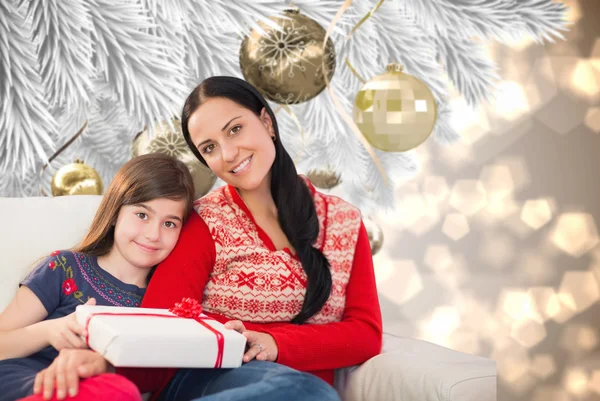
[168, 139]
[286, 64]
[374, 234]
[324, 178]
[395, 111]
[76, 179]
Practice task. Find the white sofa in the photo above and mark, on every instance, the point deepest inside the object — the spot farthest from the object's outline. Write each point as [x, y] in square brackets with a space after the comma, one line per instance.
[407, 370]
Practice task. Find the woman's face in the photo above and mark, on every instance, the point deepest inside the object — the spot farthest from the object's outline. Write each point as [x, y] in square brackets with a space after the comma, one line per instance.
[236, 143]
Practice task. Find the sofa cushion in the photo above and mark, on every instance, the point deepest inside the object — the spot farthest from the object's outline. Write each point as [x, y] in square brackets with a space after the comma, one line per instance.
[409, 370]
[34, 227]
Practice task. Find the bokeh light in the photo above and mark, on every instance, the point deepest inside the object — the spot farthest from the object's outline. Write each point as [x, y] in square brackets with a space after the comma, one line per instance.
[468, 196]
[592, 119]
[575, 233]
[455, 226]
[536, 213]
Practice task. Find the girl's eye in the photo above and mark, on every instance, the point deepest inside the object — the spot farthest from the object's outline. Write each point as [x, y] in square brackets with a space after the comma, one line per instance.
[208, 148]
[142, 216]
[235, 130]
[170, 224]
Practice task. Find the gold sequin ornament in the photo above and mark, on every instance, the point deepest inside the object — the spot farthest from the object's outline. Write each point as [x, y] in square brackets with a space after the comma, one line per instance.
[76, 178]
[286, 64]
[324, 178]
[169, 140]
[395, 111]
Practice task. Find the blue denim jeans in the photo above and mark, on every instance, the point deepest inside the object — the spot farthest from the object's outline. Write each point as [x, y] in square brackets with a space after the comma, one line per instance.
[253, 381]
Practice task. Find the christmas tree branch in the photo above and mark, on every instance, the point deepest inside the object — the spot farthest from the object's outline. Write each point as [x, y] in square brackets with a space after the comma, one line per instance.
[27, 129]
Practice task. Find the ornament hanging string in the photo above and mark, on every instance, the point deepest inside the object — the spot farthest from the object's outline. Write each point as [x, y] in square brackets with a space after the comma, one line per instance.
[297, 122]
[59, 151]
[338, 105]
[354, 72]
[363, 19]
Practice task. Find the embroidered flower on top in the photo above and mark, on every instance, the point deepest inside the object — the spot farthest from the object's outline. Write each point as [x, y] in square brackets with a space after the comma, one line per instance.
[69, 286]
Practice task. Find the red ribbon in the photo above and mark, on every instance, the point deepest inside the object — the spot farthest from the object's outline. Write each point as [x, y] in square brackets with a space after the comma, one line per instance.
[188, 309]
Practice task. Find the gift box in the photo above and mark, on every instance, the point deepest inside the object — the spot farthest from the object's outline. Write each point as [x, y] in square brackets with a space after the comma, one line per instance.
[144, 337]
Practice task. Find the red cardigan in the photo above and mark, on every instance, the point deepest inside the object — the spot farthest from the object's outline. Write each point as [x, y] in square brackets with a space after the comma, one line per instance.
[314, 348]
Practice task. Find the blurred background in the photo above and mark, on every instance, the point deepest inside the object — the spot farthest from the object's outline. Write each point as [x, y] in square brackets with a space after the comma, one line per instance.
[493, 248]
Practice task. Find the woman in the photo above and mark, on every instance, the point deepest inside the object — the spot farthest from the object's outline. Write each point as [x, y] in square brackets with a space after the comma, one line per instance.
[287, 266]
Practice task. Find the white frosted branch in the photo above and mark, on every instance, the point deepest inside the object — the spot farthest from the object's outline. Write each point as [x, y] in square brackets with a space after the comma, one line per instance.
[27, 129]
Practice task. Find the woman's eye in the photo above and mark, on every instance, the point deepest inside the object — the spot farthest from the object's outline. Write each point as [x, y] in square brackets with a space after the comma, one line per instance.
[170, 224]
[235, 130]
[209, 148]
[142, 216]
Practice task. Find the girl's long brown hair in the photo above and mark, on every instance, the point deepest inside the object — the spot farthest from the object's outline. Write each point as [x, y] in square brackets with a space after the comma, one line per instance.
[141, 179]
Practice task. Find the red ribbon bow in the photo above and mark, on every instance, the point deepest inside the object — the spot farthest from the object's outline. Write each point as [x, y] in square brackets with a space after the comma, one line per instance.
[188, 308]
[191, 309]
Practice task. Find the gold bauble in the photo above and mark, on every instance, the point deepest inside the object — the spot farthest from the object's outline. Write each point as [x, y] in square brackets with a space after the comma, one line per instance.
[76, 179]
[395, 111]
[324, 178]
[171, 142]
[286, 64]
[375, 235]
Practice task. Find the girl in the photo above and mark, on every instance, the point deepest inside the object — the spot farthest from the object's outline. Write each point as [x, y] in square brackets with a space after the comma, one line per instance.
[136, 227]
[288, 267]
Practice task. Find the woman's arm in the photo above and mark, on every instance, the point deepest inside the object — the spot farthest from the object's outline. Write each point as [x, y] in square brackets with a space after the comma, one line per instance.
[312, 347]
[184, 273]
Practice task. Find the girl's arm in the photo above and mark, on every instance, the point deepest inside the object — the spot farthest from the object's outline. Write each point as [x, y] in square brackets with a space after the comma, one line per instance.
[312, 347]
[23, 330]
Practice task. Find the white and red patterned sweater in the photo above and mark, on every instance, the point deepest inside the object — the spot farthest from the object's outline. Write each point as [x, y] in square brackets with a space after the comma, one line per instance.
[252, 281]
[264, 287]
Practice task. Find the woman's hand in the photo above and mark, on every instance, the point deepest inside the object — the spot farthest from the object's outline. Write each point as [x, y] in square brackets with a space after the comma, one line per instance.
[65, 332]
[69, 366]
[261, 346]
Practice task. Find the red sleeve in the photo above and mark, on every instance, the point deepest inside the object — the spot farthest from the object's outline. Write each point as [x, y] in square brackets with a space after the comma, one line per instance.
[184, 273]
[346, 343]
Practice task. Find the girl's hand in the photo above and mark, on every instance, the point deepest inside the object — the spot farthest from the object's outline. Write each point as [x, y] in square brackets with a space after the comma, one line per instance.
[65, 332]
[261, 346]
[66, 370]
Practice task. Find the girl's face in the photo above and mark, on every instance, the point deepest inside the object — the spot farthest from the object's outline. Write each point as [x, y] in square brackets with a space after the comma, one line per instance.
[236, 143]
[146, 233]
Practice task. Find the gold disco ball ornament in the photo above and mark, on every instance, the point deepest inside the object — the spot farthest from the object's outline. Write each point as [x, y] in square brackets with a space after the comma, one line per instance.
[76, 179]
[375, 235]
[286, 64]
[168, 139]
[324, 178]
[395, 111]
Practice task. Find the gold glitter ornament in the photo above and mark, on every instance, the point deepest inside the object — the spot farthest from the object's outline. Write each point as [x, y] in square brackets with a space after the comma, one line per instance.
[395, 111]
[171, 142]
[375, 235]
[324, 178]
[76, 178]
[286, 65]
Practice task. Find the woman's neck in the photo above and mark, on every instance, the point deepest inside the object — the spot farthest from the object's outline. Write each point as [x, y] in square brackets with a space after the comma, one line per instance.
[114, 263]
[260, 201]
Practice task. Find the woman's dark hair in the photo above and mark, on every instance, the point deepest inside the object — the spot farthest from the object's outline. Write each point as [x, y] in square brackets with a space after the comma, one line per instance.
[296, 209]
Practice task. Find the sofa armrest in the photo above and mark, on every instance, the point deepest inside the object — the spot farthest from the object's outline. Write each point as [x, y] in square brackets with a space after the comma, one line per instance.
[416, 370]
